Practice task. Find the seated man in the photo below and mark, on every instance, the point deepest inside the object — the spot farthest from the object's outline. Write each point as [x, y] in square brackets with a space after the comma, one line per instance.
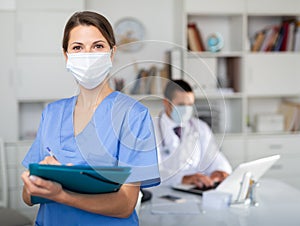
[187, 149]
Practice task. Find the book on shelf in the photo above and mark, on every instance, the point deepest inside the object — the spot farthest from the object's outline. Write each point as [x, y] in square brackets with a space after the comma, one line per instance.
[285, 30]
[278, 42]
[273, 39]
[174, 60]
[288, 34]
[159, 81]
[291, 112]
[195, 41]
[152, 81]
[297, 37]
[291, 36]
[270, 35]
[142, 84]
[259, 38]
[233, 75]
[149, 82]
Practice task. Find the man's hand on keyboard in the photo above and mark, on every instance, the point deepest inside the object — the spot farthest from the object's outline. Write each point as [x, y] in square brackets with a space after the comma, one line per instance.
[203, 181]
[218, 176]
[198, 179]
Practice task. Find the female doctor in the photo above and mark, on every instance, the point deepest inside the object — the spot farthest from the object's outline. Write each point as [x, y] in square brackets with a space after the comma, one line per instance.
[188, 152]
[96, 127]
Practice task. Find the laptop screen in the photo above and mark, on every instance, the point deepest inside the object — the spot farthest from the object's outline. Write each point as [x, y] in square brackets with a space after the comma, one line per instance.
[254, 169]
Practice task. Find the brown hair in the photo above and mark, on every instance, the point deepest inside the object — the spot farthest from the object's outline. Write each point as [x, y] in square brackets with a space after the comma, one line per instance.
[89, 18]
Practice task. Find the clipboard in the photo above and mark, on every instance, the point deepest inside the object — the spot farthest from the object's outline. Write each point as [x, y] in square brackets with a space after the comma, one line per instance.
[80, 178]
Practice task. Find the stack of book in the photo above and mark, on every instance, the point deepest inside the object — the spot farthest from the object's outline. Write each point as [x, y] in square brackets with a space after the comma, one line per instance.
[281, 37]
[149, 81]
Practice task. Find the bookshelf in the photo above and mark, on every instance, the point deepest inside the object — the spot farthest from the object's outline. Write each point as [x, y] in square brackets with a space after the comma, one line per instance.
[216, 76]
[249, 85]
[259, 81]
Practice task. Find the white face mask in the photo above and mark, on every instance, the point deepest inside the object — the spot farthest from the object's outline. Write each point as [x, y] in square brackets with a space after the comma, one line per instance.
[181, 113]
[89, 69]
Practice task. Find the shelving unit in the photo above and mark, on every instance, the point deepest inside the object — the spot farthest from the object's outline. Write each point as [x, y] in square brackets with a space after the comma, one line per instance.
[216, 76]
[259, 81]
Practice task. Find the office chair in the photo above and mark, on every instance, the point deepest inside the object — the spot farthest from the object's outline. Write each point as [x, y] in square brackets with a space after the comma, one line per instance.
[8, 217]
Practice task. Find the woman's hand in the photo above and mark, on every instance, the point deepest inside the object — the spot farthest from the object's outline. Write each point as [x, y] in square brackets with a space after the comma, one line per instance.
[50, 160]
[36, 186]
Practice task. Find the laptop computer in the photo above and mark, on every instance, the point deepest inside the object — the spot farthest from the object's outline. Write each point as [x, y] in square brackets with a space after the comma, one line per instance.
[232, 184]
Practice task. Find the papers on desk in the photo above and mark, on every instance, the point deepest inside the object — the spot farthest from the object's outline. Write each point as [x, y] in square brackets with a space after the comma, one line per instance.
[168, 207]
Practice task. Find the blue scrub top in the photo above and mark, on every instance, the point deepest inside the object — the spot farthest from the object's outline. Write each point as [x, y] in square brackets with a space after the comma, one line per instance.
[120, 133]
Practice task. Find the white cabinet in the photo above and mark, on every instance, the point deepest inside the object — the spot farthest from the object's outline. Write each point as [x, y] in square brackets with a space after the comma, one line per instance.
[39, 76]
[269, 74]
[233, 147]
[15, 153]
[40, 60]
[214, 6]
[40, 32]
[271, 7]
[287, 146]
[7, 5]
[200, 73]
[53, 5]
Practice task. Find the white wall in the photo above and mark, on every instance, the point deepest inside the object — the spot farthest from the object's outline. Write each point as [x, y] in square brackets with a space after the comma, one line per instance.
[156, 15]
[8, 112]
[158, 19]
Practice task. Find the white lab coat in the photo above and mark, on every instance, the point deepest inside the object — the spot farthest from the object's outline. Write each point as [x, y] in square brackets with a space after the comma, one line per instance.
[196, 151]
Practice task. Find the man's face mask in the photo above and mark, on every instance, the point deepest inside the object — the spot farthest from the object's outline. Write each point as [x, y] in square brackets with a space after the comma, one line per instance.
[89, 69]
[181, 113]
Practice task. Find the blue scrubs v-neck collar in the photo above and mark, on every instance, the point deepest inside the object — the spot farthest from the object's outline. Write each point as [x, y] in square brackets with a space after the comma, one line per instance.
[74, 100]
[68, 141]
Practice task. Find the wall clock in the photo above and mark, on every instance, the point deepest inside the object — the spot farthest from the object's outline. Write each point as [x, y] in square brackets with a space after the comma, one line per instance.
[129, 32]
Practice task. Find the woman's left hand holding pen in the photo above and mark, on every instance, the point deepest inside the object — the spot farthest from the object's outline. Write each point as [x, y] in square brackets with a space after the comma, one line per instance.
[50, 159]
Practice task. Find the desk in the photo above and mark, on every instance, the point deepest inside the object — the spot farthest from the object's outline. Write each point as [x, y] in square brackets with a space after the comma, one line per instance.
[279, 204]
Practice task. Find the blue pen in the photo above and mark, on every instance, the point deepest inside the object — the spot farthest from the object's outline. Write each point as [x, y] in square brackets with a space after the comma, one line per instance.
[51, 153]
